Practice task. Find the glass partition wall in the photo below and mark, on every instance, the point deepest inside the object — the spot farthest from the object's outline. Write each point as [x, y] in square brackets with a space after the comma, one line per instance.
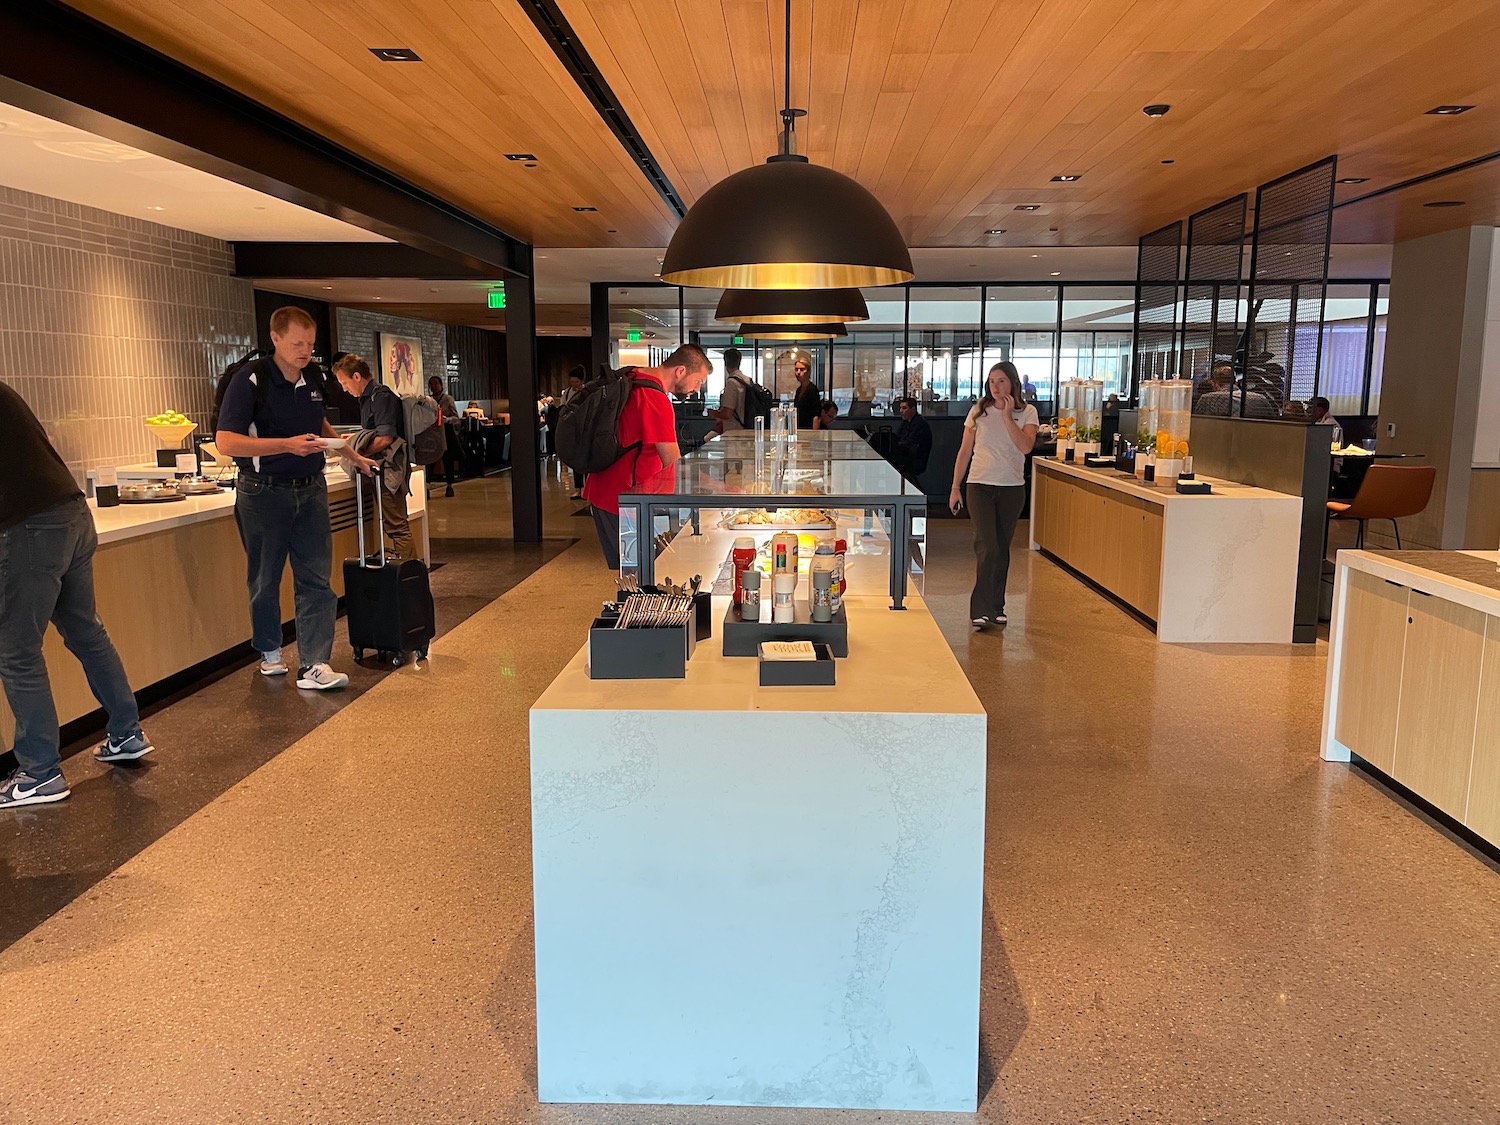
[936, 342]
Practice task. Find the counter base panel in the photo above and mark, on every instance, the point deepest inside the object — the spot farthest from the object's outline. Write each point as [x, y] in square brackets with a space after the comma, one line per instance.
[773, 909]
[172, 599]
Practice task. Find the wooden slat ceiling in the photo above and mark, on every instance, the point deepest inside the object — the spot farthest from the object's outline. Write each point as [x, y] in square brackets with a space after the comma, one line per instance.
[488, 84]
[953, 112]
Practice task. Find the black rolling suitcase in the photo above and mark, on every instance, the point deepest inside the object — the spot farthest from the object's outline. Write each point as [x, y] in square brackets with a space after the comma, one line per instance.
[390, 603]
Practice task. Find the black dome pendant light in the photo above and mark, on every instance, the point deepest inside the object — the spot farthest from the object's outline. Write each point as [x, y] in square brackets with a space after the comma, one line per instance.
[787, 224]
[791, 331]
[792, 306]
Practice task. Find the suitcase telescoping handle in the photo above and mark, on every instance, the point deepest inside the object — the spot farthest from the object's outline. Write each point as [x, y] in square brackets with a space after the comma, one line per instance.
[359, 506]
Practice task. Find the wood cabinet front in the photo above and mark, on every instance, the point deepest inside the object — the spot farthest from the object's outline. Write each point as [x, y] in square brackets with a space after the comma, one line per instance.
[1439, 685]
[1369, 684]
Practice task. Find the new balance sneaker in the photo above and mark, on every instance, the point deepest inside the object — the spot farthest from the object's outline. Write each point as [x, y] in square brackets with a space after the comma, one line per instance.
[320, 677]
[125, 750]
[21, 788]
[271, 664]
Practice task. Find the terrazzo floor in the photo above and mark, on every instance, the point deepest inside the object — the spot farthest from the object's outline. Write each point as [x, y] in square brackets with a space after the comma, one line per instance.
[1189, 916]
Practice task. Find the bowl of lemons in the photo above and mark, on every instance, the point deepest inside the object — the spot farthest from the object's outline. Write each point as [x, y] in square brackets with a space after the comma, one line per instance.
[170, 428]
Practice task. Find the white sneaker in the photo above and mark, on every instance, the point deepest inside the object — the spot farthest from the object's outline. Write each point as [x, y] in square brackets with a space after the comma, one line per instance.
[320, 677]
[271, 664]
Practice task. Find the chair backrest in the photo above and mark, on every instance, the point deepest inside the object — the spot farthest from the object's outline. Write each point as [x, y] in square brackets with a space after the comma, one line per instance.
[1391, 491]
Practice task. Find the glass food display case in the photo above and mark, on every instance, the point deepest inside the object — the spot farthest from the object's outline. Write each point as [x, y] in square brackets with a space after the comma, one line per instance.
[826, 483]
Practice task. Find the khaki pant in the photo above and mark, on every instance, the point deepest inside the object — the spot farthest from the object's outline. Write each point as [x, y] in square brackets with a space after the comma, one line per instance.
[393, 518]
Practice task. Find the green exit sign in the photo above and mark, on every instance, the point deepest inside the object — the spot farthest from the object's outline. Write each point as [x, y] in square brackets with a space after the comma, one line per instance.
[497, 299]
[739, 339]
[633, 336]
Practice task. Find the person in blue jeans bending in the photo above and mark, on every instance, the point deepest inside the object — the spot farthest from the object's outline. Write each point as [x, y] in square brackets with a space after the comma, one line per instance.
[47, 544]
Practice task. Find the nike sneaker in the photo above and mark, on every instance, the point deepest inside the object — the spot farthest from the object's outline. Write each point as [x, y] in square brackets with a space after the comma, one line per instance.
[20, 788]
[125, 750]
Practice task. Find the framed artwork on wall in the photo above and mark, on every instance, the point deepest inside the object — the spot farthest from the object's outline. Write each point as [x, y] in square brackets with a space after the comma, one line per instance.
[401, 364]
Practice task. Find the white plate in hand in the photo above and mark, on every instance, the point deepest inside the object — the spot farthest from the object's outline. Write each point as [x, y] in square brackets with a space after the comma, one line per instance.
[333, 442]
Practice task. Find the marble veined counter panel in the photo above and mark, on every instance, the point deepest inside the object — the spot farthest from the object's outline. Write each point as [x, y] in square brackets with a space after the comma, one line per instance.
[762, 896]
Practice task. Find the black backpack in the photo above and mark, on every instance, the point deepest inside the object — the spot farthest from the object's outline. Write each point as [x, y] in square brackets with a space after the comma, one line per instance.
[227, 377]
[758, 403]
[312, 373]
[588, 429]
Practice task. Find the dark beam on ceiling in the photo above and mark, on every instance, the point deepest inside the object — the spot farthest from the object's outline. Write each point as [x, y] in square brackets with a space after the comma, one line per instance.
[347, 259]
[61, 64]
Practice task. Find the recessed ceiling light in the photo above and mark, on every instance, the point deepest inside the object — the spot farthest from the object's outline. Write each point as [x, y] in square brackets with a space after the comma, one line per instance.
[611, 231]
[1353, 180]
[1169, 162]
[154, 207]
[585, 208]
[1036, 255]
[377, 298]
[1057, 273]
[1446, 203]
[520, 156]
[1029, 207]
[1449, 110]
[995, 230]
[1157, 110]
[395, 54]
[328, 287]
[1064, 179]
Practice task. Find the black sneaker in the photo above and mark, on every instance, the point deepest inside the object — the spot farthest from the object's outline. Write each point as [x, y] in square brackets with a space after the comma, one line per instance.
[126, 750]
[21, 788]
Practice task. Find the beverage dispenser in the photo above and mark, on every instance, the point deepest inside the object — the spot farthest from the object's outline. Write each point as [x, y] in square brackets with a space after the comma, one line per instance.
[1174, 417]
[1088, 398]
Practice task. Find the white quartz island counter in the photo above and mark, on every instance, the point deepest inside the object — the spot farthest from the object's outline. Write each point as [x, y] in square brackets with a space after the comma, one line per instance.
[1218, 569]
[763, 896]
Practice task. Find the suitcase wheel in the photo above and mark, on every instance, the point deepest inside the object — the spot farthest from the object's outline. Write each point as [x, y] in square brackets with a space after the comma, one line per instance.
[359, 655]
[422, 654]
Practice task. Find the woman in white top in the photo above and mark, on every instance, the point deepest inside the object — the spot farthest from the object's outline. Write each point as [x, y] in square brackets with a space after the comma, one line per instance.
[998, 434]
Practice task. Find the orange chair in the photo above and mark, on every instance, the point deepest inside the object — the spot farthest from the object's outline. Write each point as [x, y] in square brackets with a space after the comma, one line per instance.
[1388, 492]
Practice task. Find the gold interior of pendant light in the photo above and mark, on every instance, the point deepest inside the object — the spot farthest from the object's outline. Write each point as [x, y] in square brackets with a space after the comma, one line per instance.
[791, 331]
[791, 275]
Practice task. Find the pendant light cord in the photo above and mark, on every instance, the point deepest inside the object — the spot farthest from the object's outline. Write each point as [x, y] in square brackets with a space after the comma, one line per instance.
[786, 102]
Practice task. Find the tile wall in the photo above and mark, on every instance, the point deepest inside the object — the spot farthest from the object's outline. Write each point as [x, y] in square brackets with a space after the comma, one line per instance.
[106, 320]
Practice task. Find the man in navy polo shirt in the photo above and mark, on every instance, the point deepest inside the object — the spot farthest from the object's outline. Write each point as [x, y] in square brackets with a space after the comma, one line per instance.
[272, 424]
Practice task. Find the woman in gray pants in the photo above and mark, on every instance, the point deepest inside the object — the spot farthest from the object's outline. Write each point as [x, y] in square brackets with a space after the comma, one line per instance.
[998, 434]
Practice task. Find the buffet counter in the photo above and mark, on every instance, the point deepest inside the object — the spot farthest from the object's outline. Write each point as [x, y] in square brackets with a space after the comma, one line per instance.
[763, 896]
[1414, 676]
[769, 896]
[1220, 568]
[169, 580]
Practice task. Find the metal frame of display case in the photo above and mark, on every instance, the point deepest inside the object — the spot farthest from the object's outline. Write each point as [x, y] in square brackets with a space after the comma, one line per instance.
[903, 510]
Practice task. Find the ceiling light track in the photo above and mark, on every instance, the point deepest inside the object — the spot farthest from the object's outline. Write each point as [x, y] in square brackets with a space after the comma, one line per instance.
[1426, 177]
[564, 42]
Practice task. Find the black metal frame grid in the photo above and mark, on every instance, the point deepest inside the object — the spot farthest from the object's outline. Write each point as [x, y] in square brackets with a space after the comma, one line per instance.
[904, 338]
[1158, 271]
[1289, 257]
[1211, 294]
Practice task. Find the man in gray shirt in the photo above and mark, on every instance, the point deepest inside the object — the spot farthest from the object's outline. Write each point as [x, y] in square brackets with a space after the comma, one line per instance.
[731, 411]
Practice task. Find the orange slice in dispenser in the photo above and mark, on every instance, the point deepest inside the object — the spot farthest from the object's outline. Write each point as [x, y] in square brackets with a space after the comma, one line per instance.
[1182, 449]
[1163, 442]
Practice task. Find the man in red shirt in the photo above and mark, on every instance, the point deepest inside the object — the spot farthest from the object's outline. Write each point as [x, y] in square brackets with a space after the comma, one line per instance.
[648, 418]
